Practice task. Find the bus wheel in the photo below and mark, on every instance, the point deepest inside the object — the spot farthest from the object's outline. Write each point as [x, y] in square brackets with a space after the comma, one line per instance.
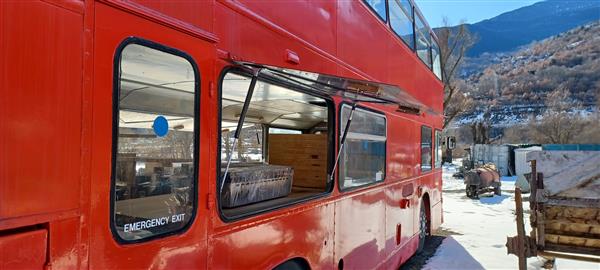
[423, 228]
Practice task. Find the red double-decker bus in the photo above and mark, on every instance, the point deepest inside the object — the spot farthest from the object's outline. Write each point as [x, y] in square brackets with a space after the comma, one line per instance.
[217, 134]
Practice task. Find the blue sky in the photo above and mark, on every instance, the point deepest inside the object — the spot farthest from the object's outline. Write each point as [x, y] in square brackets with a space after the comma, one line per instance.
[471, 11]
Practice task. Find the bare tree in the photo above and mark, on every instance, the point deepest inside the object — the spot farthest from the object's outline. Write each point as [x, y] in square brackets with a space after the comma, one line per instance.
[516, 134]
[454, 43]
[561, 123]
[226, 140]
[480, 131]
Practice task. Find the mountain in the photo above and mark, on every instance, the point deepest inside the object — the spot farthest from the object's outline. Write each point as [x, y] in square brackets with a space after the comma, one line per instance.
[510, 30]
[517, 86]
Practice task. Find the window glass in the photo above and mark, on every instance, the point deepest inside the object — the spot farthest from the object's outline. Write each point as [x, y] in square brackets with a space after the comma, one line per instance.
[248, 148]
[401, 21]
[426, 149]
[379, 7]
[437, 64]
[290, 162]
[420, 26]
[423, 49]
[423, 41]
[406, 6]
[155, 146]
[363, 156]
[438, 149]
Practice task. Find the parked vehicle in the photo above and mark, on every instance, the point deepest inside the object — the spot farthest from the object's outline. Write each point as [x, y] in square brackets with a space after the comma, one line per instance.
[481, 180]
[198, 134]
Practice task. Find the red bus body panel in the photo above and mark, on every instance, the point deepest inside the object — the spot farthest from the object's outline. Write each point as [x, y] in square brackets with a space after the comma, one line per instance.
[56, 133]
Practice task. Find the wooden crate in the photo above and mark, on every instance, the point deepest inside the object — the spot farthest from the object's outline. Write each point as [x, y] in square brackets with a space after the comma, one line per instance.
[572, 226]
[306, 153]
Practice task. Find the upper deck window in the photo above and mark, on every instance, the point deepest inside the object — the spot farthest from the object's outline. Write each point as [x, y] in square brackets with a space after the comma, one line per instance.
[426, 149]
[363, 157]
[379, 7]
[401, 20]
[437, 62]
[155, 150]
[423, 41]
[406, 6]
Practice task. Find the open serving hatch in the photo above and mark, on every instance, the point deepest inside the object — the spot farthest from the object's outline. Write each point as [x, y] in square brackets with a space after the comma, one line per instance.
[278, 135]
[351, 89]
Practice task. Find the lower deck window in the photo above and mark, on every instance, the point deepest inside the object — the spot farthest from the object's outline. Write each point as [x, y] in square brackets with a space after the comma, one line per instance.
[438, 149]
[364, 151]
[154, 162]
[426, 149]
[282, 154]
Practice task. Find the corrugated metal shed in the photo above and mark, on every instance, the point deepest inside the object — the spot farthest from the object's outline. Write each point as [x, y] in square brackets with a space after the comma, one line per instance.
[489, 153]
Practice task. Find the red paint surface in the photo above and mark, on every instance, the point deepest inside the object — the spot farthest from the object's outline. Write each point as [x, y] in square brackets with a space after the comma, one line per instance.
[56, 124]
[23, 250]
[40, 108]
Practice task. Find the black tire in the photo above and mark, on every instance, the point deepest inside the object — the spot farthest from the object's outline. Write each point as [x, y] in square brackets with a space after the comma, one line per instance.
[423, 228]
[471, 191]
[498, 191]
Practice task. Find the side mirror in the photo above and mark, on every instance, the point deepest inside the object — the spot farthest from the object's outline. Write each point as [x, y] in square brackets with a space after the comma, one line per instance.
[451, 142]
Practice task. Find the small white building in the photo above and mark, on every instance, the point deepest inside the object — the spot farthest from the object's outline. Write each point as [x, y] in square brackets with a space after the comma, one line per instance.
[522, 166]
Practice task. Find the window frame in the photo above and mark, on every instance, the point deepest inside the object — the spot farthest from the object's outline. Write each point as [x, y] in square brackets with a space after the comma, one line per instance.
[426, 35]
[387, 13]
[415, 32]
[435, 42]
[429, 65]
[331, 117]
[115, 133]
[436, 133]
[339, 134]
[430, 149]
[412, 23]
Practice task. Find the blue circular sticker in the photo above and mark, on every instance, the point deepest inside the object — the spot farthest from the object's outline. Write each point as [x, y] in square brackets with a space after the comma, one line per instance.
[161, 126]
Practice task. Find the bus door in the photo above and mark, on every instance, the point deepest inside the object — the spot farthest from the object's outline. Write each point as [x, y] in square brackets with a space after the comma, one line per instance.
[151, 75]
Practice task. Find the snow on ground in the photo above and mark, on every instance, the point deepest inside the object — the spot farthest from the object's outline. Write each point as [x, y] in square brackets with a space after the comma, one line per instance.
[480, 228]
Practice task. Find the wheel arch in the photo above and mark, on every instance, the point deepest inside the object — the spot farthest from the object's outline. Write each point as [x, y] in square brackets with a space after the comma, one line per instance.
[426, 202]
[296, 263]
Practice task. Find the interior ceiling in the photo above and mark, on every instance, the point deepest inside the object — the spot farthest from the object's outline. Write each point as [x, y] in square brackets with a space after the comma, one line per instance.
[155, 83]
[270, 104]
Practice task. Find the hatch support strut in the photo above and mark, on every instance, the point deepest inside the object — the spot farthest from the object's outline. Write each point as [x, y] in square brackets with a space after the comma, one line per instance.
[342, 142]
[240, 123]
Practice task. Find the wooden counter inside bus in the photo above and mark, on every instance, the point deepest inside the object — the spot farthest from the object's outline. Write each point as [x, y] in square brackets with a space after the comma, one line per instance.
[306, 153]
